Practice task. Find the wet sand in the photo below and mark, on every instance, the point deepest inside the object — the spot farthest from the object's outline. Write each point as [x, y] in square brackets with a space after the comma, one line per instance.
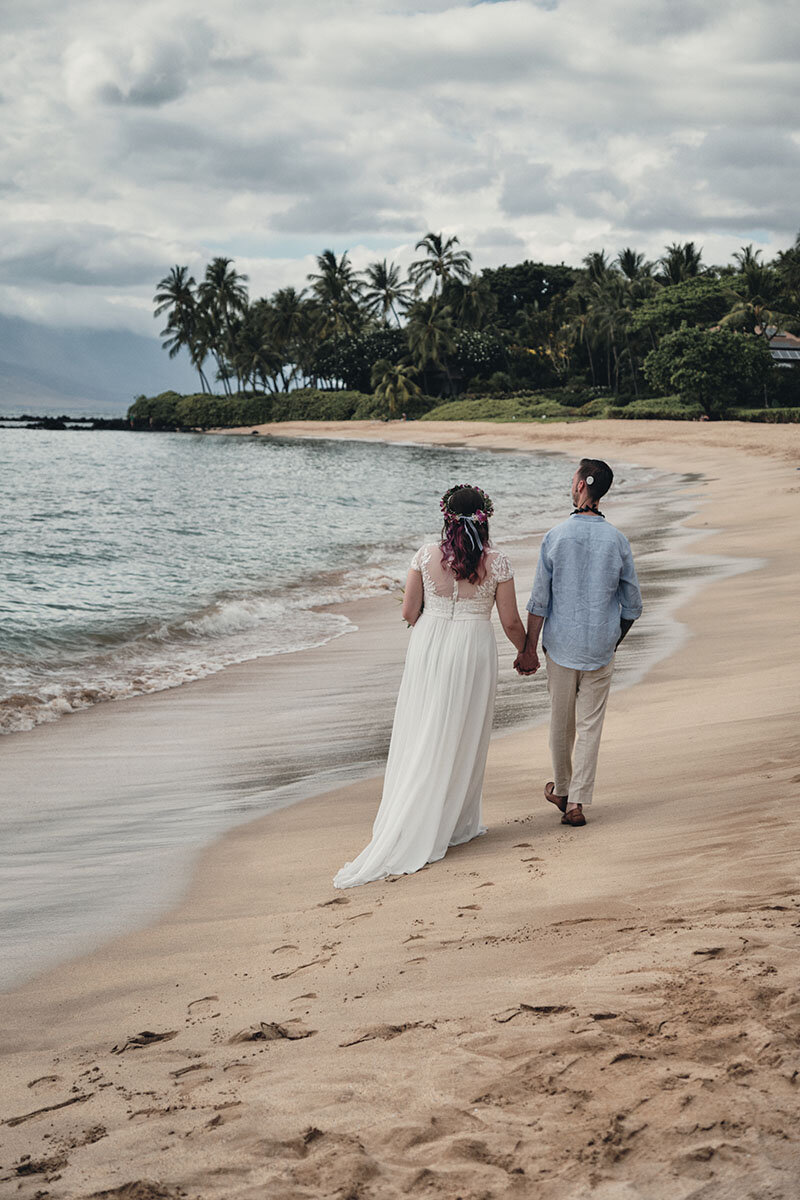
[610, 1012]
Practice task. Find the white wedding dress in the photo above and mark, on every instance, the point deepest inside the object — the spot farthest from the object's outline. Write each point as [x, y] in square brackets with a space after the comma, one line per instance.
[443, 720]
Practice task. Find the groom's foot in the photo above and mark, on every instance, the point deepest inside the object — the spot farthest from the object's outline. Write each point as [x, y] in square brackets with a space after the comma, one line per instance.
[574, 816]
[559, 801]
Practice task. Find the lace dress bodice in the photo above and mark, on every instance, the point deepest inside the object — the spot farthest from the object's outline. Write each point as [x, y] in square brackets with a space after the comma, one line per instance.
[458, 599]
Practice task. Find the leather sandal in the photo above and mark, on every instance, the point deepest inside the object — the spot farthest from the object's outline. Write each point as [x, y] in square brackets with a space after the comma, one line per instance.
[574, 816]
[559, 801]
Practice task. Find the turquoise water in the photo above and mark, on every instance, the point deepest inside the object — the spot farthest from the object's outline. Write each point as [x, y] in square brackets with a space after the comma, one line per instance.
[135, 562]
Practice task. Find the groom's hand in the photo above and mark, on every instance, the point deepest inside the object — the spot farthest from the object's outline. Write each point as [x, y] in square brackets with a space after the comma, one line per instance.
[527, 661]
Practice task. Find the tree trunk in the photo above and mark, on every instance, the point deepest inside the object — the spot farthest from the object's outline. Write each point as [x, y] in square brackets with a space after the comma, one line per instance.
[633, 365]
[591, 360]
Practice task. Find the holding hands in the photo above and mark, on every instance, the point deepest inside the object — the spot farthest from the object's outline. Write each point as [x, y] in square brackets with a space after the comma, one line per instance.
[527, 661]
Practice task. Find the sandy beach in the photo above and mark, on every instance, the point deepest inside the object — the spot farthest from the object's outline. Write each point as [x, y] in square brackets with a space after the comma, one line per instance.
[611, 1012]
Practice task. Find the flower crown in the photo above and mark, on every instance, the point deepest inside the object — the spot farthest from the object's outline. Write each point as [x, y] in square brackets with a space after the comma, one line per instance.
[482, 513]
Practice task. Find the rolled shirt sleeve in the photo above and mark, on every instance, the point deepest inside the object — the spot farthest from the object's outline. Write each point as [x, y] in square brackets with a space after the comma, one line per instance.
[542, 592]
[628, 593]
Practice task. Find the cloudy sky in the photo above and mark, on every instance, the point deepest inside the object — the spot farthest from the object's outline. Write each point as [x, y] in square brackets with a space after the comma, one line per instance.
[138, 135]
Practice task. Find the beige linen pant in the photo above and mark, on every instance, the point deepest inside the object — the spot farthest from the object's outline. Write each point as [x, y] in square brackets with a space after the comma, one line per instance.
[578, 706]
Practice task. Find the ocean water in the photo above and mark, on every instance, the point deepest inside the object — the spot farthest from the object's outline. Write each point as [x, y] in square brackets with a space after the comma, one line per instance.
[134, 562]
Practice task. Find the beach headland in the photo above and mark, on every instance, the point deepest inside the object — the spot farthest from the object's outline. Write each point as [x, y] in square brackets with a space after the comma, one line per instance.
[611, 1012]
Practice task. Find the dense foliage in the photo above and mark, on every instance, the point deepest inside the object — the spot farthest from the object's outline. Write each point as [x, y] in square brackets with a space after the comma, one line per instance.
[620, 331]
[715, 368]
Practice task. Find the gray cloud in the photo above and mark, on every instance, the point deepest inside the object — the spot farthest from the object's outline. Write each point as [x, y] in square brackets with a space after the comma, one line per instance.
[137, 137]
[83, 255]
[527, 188]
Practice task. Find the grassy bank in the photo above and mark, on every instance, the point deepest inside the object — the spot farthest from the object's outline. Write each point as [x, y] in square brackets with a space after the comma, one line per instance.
[170, 410]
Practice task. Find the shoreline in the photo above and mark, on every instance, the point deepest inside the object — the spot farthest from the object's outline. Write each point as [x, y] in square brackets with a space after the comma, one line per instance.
[154, 827]
[467, 1020]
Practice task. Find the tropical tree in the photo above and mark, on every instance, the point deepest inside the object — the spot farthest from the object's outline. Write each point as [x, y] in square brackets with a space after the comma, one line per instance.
[289, 320]
[610, 317]
[175, 295]
[472, 303]
[383, 291]
[747, 257]
[715, 367]
[223, 297]
[759, 302]
[787, 264]
[395, 385]
[335, 288]
[254, 354]
[431, 337]
[580, 327]
[597, 266]
[633, 265]
[702, 300]
[680, 261]
[442, 261]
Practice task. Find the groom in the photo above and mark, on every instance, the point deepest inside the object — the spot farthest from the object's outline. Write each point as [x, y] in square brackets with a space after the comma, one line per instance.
[585, 598]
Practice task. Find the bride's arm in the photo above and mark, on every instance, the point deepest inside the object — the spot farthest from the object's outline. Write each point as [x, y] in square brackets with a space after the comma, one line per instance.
[506, 599]
[413, 597]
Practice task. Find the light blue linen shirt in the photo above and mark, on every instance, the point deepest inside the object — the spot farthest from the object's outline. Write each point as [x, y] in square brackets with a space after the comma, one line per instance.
[585, 583]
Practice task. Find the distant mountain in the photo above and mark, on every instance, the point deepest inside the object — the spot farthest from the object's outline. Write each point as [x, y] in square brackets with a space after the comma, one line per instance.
[82, 371]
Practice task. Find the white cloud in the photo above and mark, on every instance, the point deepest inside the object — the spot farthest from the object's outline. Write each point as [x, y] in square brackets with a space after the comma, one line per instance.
[142, 134]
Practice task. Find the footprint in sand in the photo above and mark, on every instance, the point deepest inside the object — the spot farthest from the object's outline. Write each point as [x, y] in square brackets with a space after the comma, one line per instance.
[316, 962]
[271, 1031]
[355, 917]
[202, 1008]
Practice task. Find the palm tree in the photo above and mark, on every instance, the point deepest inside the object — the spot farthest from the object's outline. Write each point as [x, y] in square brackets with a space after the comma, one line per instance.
[474, 304]
[597, 266]
[443, 262]
[580, 326]
[759, 301]
[336, 291]
[787, 265]
[394, 383]
[747, 258]
[632, 264]
[175, 294]
[289, 321]
[254, 354]
[431, 337]
[383, 291]
[679, 262]
[610, 315]
[223, 297]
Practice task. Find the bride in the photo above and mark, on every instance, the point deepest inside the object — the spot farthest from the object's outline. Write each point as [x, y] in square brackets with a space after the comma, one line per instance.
[434, 773]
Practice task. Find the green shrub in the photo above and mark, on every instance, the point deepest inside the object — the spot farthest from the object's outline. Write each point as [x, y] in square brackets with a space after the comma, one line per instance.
[311, 404]
[155, 412]
[374, 408]
[497, 408]
[596, 408]
[198, 411]
[716, 368]
[769, 416]
[660, 408]
[254, 410]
